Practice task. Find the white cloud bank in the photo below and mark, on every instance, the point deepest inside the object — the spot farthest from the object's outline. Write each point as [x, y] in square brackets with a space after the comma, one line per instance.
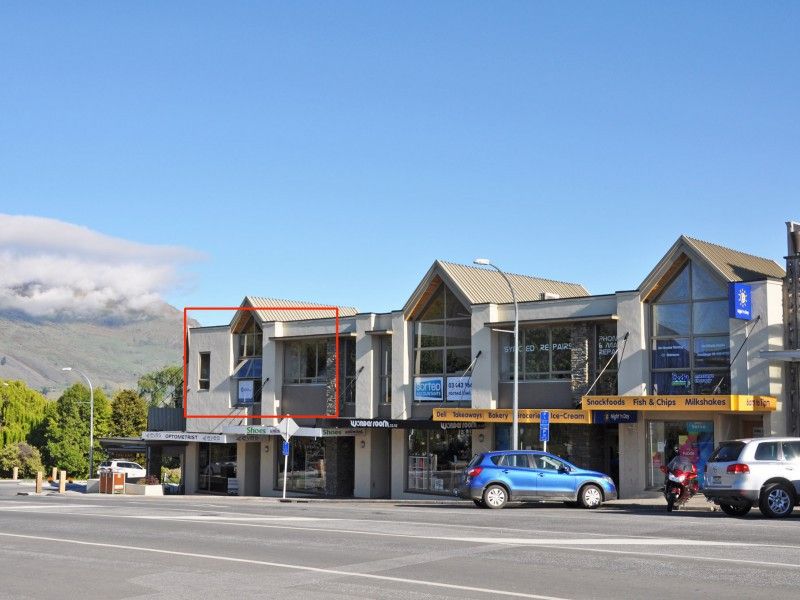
[53, 269]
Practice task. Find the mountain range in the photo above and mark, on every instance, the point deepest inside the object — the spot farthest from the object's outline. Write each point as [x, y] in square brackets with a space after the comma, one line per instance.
[112, 353]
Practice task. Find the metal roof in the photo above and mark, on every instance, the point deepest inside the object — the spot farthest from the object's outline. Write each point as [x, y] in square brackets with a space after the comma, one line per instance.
[735, 265]
[484, 286]
[274, 309]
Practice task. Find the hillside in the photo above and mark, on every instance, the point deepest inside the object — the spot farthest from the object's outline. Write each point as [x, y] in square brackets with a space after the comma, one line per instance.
[113, 355]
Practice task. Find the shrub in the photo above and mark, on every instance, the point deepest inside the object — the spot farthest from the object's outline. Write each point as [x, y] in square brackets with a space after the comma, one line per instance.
[149, 480]
[21, 455]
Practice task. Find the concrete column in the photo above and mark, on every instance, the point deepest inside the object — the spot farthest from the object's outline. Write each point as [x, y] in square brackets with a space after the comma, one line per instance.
[362, 476]
[39, 482]
[579, 380]
[62, 482]
[15, 473]
[367, 362]
[402, 369]
[241, 466]
[191, 468]
[485, 372]
[483, 439]
[398, 452]
[269, 448]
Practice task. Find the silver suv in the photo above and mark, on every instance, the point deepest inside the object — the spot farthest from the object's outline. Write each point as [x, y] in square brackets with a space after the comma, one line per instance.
[763, 471]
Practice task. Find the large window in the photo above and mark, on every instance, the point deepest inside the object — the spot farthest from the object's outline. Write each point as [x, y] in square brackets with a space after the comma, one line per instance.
[436, 459]
[347, 369]
[668, 439]
[204, 381]
[306, 464]
[306, 362]
[605, 347]
[217, 466]
[544, 353]
[247, 374]
[442, 336]
[690, 343]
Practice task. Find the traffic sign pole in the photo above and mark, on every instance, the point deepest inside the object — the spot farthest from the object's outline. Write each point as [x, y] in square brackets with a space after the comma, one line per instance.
[288, 427]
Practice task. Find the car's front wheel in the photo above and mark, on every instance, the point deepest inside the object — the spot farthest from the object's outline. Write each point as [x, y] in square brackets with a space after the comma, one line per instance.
[735, 510]
[777, 501]
[495, 496]
[590, 496]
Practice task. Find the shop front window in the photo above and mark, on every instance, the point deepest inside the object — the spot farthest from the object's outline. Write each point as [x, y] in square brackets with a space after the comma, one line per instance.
[217, 466]
[668, 439]
[306, 466]
[436, 459]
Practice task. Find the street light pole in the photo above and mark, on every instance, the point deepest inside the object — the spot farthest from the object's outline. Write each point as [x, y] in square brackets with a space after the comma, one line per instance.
[515, 405]
[91, 417]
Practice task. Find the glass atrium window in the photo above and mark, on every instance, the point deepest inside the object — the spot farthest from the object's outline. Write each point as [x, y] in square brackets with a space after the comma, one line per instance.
[690, 336]
[442, 336]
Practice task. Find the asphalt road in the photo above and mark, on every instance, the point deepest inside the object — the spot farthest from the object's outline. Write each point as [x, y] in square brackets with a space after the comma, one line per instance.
[234, 548]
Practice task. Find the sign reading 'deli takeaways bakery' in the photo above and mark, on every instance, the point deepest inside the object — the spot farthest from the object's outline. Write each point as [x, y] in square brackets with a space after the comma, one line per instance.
[503, 415]
[728, 403]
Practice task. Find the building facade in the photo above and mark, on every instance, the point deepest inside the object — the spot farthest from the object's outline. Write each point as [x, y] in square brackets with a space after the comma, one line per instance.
[630, 379]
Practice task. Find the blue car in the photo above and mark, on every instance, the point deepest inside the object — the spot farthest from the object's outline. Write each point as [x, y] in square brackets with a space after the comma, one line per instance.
[493, 479]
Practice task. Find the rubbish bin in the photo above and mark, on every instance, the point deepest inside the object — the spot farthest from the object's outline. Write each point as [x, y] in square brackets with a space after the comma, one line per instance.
[112, 482]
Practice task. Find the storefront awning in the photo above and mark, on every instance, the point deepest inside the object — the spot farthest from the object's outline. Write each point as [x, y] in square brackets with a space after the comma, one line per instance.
[715, 403]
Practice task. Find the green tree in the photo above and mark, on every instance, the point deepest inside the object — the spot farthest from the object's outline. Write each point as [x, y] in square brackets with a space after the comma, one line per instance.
[66, 429]
[128, 414]
[22, 455]
[163, 387]
[21, 412]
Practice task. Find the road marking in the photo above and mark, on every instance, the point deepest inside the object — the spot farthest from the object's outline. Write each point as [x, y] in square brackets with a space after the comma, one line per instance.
[222, 518]
[436, 584]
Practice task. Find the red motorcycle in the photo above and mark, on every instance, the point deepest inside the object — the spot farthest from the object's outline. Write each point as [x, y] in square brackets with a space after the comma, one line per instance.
[680, 482]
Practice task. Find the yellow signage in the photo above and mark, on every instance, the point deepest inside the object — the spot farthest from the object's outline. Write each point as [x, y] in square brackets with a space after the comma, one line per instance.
[503, 415]
[723, 403]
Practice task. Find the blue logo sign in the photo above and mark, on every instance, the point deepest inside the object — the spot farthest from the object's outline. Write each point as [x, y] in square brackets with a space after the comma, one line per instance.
[428, 389]
[544, 418]
[740, 301]
[286, 448]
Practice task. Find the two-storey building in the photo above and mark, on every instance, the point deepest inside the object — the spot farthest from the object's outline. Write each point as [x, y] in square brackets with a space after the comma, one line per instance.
[630, 378]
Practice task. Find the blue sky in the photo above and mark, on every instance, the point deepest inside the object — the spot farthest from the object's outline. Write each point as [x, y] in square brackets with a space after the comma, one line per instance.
[330, 151]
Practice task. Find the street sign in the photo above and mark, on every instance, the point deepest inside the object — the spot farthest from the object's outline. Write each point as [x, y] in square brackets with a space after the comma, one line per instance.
[285, 448]
[288, 428]
[544, 433]
[544, 418]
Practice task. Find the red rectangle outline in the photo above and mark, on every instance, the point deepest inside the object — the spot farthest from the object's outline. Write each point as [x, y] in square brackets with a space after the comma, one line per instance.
[186, 310]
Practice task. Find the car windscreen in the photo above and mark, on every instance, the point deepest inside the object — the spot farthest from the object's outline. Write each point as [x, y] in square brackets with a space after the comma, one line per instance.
[475, 460]
[727, 452]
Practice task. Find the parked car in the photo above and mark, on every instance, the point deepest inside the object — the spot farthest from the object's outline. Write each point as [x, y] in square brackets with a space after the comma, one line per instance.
[764, 471]
[132, 470]
[492, 479]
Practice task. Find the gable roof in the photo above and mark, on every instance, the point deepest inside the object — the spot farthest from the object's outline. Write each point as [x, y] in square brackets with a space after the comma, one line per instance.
[476, 285]
[729, 265]
[274, 309]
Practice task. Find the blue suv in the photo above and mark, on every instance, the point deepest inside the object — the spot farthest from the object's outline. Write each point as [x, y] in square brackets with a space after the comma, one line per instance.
[493, 479]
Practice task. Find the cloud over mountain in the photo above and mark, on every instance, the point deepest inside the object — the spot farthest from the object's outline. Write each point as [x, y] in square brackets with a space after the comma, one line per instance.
[54, 269]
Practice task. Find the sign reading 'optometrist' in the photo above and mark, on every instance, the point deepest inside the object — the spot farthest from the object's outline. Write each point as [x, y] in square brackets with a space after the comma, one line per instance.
[428, 389]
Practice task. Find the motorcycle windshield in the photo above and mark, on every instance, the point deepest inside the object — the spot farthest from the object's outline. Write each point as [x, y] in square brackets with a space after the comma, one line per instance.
[682, 463]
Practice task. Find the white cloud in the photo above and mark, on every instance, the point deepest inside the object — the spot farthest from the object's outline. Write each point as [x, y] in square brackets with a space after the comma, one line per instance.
[53, 269]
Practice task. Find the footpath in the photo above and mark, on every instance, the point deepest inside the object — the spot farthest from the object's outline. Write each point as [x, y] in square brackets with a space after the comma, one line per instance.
[653, 503]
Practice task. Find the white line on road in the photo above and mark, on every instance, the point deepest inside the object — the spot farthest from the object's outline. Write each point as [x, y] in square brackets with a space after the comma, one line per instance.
[450, 586]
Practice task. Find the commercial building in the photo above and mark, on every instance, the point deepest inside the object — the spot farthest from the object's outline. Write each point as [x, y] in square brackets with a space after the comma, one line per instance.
[630, 378]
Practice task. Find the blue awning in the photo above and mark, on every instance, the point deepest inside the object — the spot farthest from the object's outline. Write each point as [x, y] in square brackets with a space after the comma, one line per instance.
[248, 369]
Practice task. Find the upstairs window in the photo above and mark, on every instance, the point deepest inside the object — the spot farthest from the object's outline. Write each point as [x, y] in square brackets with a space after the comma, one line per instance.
[306, 362]
[204, 381]
[442, 336]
